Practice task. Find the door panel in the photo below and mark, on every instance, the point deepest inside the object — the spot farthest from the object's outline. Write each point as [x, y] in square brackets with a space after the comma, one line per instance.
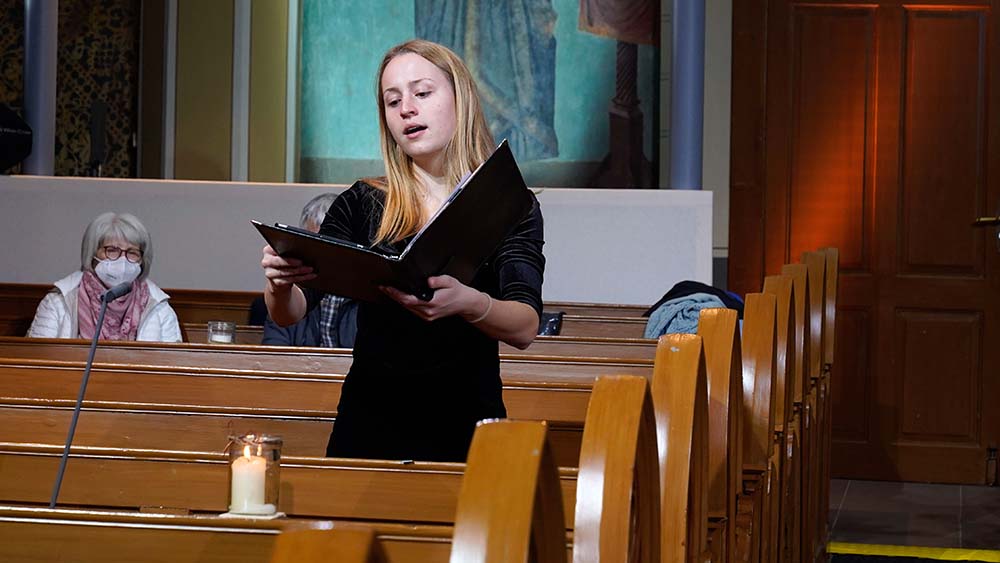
[935, 408]
[832, 70]
[851, 394]
[877, 139]
[943, 142]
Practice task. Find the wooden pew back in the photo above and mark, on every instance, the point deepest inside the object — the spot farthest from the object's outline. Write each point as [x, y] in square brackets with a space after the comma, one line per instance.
[759, 350]
[830, 316]
[603, 327]
[800, 281]
[618, 486]
[572, 325]
[218, 402]
[680, 399]
[719, 330]
[320, 546]
[336, 361]
[101, 536]
[509, 509]
[815, 263]
[782, 288]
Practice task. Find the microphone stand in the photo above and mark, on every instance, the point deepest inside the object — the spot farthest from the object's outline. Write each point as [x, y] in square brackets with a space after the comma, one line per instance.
[108, 296]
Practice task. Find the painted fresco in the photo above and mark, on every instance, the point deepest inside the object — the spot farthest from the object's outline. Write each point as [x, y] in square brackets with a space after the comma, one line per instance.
[545, 84]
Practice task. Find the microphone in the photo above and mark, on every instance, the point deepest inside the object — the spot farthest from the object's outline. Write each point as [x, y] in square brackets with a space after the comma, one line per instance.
[116, 292]
[108, 296]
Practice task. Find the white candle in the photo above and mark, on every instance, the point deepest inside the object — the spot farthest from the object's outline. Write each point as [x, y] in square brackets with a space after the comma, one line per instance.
[248, 484]
[223, 338]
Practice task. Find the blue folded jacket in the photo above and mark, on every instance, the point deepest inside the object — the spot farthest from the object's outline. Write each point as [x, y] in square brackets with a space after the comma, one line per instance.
[680, 315]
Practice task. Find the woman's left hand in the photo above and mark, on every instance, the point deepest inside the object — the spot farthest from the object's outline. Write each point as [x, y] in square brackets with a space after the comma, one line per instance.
[451, 297]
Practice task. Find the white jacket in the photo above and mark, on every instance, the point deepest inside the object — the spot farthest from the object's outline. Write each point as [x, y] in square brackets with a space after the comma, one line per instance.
[56, 314]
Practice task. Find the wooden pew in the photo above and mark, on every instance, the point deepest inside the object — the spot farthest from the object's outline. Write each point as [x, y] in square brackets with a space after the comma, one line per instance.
[572, 325]
[40, 534]
[782, 464]
[803, 409]
[719, 330]
[513, 367]
[295, 404]
[595, 309]
[318, 546]
[616, 455]
[603, 327]
[680, 401]
[829, 340]
[588, 347]
[531, 384]
[131, 426]
[86, 536]
[618, 487]
[672, 481]
[482, 525]
[510, 507]
[600, 349]
[198, 306]
[815, 263]
[562, 345]
[759, 356]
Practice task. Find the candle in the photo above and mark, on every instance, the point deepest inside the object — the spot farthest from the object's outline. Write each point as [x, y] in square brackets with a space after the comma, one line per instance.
[248, 484]
[222, 337]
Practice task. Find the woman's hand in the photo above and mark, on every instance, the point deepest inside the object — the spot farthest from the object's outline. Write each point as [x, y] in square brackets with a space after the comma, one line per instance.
[451, 297]
[286, 303]
[510, 321]
[281, 273]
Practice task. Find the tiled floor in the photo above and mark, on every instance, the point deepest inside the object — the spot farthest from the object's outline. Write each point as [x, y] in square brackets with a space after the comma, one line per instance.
[915, 514]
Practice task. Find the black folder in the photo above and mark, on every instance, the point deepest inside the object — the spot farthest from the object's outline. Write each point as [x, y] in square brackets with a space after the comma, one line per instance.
[470, 225]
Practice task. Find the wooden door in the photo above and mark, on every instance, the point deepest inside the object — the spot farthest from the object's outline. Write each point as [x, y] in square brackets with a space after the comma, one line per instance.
[875, 128]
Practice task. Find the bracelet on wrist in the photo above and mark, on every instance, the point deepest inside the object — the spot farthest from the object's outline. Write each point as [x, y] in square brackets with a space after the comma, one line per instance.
[489, 307]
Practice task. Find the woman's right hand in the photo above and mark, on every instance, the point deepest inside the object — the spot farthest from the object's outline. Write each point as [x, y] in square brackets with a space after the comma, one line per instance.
[281, 273]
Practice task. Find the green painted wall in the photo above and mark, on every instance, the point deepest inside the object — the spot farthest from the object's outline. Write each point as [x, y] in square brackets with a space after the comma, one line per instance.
[342, 44]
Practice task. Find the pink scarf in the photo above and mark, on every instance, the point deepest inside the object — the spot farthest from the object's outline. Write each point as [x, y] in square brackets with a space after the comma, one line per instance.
[121, 321]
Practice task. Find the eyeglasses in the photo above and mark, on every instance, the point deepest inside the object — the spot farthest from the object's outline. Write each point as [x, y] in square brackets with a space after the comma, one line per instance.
[114, 253]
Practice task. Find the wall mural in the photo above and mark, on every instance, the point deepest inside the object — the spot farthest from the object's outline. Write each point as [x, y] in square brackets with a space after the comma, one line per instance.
[511, 50]
[546, 85]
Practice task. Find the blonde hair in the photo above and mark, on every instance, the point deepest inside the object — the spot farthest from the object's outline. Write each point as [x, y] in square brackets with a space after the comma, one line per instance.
[471, 144]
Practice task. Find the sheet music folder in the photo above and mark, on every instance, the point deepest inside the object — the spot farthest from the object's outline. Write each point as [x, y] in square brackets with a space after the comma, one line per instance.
[459, 238]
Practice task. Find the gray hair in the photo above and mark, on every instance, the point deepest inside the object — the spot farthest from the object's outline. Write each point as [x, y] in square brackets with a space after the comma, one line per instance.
[315, 210]
[111, 225]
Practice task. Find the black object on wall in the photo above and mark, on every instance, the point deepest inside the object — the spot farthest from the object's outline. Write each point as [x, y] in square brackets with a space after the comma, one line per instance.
[98, 137]
[15, 139]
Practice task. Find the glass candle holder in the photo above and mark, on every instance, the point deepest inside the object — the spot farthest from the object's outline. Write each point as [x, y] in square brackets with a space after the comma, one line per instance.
[221, 332]
[254, 474]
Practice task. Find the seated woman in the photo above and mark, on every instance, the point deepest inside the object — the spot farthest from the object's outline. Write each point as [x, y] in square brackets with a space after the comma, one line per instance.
[116, 249]
[332, 323]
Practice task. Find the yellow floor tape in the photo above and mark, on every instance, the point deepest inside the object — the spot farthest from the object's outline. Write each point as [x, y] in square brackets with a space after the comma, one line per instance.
[941, 553]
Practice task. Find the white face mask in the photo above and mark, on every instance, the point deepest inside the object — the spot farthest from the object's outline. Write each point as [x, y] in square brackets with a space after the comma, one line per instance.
[114, 272]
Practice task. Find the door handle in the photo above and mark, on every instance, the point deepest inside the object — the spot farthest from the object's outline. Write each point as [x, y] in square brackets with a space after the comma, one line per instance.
[986, 222]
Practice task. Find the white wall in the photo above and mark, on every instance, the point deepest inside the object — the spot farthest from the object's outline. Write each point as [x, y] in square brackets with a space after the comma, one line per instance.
[602, 246]
[715, 144]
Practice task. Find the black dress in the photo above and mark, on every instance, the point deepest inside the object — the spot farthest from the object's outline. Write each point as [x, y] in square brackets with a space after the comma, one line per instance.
[416, 389]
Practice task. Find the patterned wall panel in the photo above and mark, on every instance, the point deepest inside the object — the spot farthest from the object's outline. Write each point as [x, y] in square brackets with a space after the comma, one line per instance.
[98, 63]
[12, 53]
